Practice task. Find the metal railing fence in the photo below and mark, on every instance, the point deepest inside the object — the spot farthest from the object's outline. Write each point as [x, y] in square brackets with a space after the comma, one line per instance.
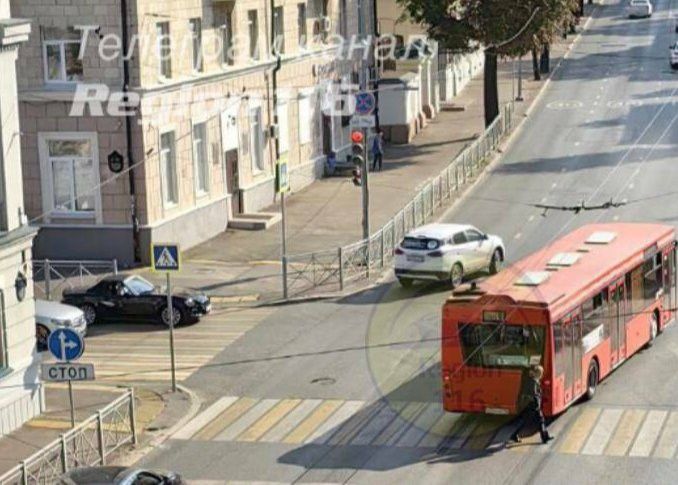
[88, 444]
[52, 277]
[333, 269]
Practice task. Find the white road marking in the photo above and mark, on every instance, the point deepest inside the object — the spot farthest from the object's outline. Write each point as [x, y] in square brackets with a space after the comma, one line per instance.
[327, 429]
[602, 432]
[517, 236]
[291, 421]
[202, 419]
[543, 199]
[375, 426]
[554, 185]
[648, 433]
[246, 420]
[530, 219]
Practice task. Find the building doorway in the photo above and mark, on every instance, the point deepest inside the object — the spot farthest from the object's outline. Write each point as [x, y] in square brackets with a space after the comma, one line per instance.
[232, 185]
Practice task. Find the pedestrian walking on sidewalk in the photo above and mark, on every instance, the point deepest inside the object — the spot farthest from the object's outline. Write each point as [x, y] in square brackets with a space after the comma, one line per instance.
[531, 413]
[378, 150]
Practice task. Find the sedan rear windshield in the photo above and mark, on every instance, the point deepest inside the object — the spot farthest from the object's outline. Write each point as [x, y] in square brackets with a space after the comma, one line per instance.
[501, 345]
[420, 243]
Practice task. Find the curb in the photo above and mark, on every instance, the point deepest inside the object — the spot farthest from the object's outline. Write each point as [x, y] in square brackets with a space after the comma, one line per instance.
[137, 454]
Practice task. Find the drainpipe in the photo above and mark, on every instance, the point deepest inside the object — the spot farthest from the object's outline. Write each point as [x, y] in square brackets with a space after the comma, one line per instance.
[128, 131]
[276, 149]
[375, 26]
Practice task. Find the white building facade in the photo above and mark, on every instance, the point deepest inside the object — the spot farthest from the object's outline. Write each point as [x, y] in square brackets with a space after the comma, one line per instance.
[21, 395]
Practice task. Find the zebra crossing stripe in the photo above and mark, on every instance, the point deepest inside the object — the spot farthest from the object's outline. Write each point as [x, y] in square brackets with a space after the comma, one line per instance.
[602, 432]
[246, 420]
[375, 426]
[666, 448]
[327, 429]
[201, 420]
[351, 427]
[311, 423]
[271, 418]
[224, 420]
[626, 431]
[580, 431]
[483, 433]
[421, 425]
[648, 433]
[289, 422]
[440, 430]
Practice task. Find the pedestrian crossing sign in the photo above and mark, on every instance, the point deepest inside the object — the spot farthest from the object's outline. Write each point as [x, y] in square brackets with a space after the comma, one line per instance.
[166, 257]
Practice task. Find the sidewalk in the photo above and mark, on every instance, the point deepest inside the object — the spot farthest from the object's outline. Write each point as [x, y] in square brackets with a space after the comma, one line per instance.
[241, 267]
[155, 410]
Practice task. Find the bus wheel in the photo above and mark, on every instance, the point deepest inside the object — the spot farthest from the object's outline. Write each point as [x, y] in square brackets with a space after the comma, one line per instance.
[592, 380]
[654, 329]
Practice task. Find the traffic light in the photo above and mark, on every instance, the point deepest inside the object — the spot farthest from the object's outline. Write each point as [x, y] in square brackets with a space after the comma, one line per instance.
[358, 156]
[357, 177]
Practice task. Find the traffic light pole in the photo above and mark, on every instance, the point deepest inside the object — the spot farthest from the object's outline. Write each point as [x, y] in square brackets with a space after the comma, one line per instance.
[365, 186]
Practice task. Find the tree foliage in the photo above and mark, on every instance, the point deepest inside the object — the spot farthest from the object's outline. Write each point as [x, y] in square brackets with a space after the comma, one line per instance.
[508, 27]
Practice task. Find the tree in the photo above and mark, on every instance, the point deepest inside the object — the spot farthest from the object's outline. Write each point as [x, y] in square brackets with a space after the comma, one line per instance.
[500, 27]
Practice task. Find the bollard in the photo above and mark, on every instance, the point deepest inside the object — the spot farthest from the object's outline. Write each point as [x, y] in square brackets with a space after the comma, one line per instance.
[48, 279]
[132, 416]
[284, 277]
[100, 434]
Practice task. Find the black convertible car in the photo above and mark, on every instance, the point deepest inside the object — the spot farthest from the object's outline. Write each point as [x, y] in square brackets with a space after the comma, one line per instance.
[125, 297]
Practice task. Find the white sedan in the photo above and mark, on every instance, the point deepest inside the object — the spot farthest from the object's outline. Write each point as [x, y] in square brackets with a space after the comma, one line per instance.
[50, 315]
[639, 8]
[447, 252]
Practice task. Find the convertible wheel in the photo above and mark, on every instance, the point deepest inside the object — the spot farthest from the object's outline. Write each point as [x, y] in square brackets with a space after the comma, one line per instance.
[90, 313]
[41, 336]
[178, 316]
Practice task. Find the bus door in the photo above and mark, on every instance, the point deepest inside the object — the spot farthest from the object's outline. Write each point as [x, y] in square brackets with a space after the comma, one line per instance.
[577, 351]
[617, 318]
[668, 270]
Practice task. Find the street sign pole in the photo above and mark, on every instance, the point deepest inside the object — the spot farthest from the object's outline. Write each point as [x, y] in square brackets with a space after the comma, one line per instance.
[170, 310]
[70, 399]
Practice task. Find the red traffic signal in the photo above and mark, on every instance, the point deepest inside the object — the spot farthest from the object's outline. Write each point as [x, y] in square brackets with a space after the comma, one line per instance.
[357, 137]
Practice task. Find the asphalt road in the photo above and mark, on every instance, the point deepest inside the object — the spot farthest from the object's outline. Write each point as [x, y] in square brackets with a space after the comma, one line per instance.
[348, 391]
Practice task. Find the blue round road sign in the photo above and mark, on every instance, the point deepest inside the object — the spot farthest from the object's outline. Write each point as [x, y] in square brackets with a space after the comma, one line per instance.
[65, 344]
[364, 103]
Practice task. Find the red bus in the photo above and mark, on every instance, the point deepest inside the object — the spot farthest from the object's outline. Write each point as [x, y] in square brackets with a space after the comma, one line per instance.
[579, 307]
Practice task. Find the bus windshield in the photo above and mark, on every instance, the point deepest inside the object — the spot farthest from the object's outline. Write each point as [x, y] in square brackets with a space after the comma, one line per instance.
[501, 345]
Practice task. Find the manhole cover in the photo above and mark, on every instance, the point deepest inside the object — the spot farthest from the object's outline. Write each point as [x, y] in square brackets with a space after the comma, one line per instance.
[324, 381]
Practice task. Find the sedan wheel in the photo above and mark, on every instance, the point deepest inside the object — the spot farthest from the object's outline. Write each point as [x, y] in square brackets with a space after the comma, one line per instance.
[42, 336]
[456, 275]
[177, 316]
[90, 314]
[495, 262]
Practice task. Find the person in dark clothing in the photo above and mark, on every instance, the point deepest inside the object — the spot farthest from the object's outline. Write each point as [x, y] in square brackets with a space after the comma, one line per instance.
[378, 150]
[531, 414]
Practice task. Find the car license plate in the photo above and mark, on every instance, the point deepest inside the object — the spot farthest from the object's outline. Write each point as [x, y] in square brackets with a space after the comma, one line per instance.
[415, 258]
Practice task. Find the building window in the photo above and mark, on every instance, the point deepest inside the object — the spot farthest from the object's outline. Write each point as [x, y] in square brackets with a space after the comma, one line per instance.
[301, 25]
[279, 30]
[164, 50]
[168, 169]
[224, 22]
[253, 27]
[256, 140]
[200, 159]
[305, 119]
[61, 55]
[343, 19]
[70, 168]
[283, 125]
[195, 26]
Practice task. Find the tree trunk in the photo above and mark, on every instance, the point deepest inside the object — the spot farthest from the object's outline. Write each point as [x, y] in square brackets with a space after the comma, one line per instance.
[491, 91]
[535, 65]
[580, 13]
[545, 61]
